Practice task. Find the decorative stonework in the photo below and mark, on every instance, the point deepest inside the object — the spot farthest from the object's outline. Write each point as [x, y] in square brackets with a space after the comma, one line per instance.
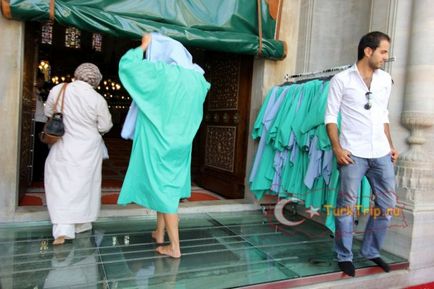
[414, 178]
[414, 168]
[220, 147]
[415, 171]
[416, 122]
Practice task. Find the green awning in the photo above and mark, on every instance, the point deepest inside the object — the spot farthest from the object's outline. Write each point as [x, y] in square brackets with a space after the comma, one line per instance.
[223, 25]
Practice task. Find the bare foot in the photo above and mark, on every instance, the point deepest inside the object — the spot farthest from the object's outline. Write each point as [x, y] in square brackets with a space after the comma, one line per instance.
[158, 237]
[169, 251]
[59, 241]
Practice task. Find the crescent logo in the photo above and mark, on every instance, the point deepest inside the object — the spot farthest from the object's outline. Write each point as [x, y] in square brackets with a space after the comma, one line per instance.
[278, 213]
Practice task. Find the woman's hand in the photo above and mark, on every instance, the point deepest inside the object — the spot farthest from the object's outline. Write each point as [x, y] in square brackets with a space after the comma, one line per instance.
[146, 39]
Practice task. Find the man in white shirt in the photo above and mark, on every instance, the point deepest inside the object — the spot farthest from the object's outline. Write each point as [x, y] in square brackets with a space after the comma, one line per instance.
[364, 147]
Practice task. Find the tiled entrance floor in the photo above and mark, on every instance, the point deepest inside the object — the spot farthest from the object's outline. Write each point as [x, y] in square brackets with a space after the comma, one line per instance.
[220, 250]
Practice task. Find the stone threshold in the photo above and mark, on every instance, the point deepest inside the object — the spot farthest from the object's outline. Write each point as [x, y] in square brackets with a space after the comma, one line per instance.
[26, 214]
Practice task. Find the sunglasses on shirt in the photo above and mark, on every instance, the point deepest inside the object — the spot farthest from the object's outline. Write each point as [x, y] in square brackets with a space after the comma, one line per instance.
[368, 105]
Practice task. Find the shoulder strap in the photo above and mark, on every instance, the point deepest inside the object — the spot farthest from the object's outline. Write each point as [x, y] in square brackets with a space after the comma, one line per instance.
[61, 95]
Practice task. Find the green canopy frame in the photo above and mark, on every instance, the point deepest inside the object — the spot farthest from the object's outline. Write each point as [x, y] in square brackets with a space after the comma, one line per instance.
[235, 26]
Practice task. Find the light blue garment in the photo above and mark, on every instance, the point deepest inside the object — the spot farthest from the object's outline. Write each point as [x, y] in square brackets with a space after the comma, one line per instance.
[327, 165]
[279, 132]
[292, 148]
[264, 172]
[381, 176]
[258, 126]
[314, 166]
[272, 108]
[130, 122]
[170, 51]
[167, 50]
[280, 159]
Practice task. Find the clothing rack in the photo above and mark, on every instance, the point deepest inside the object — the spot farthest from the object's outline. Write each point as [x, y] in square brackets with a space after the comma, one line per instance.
[325, 72]
[309, 75]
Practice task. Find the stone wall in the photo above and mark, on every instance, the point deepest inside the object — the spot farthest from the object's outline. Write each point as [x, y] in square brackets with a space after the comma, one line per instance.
[11, 59]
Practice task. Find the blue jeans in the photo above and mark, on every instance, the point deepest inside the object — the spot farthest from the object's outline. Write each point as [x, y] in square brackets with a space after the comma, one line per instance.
[381, 176]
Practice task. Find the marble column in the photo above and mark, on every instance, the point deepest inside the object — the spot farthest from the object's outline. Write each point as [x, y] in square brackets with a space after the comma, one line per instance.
[415, 173]
[415, 169]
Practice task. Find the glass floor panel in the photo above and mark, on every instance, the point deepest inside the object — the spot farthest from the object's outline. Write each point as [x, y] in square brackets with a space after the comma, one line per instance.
[220, 250]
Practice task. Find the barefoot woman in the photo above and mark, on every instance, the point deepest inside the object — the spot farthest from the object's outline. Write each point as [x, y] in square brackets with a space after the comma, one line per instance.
[169, 98]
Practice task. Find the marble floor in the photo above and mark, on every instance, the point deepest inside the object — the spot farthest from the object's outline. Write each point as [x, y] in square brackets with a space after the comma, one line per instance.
[220, 250]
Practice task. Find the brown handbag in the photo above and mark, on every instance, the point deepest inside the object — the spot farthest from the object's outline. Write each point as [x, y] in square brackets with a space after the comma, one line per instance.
[54, 128]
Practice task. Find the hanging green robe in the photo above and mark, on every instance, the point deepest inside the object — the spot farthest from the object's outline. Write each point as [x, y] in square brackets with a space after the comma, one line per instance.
[170, 102]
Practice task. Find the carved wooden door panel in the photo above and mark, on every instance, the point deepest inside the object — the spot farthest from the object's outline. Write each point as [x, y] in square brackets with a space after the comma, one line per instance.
[223, 134]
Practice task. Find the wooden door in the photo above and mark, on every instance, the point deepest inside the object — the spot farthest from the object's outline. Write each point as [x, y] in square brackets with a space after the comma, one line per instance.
[27, 108]
[221, 145]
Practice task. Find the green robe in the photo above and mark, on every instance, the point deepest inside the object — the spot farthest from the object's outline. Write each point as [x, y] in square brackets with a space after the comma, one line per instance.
[170, 103]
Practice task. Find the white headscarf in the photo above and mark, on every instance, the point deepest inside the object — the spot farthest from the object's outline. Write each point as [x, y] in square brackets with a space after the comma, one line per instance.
[89, 73]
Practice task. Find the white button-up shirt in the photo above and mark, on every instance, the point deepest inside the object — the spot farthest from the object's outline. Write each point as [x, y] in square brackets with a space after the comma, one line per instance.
[362, 130]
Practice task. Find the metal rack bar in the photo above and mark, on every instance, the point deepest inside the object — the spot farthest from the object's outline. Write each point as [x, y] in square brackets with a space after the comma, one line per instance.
[315, 74]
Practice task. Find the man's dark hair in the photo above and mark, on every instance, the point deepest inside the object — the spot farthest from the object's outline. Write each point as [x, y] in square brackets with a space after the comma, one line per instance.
[371, 40]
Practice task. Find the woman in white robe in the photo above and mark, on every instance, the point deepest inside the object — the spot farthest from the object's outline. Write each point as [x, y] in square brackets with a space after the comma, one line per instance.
[74, 163]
